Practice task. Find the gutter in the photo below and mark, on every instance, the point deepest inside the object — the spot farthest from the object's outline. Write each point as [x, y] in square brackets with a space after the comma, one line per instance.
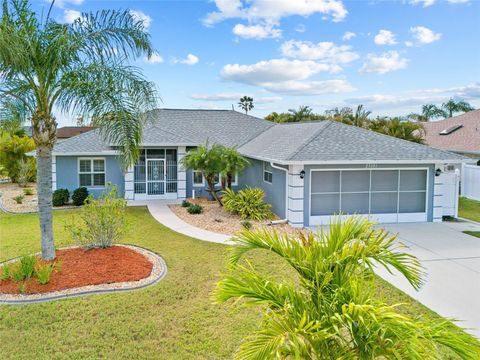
[286, 193]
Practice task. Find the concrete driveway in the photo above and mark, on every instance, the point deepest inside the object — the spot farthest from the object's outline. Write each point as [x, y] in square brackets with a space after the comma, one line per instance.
[452, 262]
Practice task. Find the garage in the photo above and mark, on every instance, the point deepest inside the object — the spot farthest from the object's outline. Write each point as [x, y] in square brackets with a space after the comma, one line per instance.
[386, 195]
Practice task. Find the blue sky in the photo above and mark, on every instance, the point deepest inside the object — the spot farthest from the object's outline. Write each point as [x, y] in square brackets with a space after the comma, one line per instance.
[391, 56]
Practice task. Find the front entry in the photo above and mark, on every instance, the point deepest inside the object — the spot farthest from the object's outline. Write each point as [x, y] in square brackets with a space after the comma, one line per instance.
[155, 177]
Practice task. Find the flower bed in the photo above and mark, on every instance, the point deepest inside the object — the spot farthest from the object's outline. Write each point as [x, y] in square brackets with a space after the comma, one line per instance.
[80, 267]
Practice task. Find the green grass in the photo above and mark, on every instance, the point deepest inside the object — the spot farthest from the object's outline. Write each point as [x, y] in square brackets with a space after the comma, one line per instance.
[469, 209]
[473, 233]
[174, 319]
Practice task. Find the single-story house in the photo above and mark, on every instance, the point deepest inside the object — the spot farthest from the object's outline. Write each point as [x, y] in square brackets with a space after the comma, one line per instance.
[309, 171]
[67, 132]
[460, 134]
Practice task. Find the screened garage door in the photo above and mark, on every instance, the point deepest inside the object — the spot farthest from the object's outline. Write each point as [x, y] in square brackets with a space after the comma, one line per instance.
[386, 195]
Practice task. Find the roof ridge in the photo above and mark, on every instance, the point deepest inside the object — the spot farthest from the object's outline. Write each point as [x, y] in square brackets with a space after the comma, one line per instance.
[310, 139]
[254, 136]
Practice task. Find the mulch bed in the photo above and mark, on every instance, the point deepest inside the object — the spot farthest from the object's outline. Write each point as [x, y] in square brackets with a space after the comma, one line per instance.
[80, 267]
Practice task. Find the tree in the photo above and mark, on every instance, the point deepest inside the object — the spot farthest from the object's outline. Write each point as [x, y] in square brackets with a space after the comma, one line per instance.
[359, 118]
[232, 163]
[451, 106]
[79, 68]
[208, 160]
[395, 127]
[330, 309]
[13, 152]
[303, 113]
[246, 103]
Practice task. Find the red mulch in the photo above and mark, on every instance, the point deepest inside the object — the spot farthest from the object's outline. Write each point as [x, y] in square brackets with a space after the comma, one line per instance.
[80, 267]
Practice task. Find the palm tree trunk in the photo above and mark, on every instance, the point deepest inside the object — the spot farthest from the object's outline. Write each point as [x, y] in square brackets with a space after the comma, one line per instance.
[44, 190]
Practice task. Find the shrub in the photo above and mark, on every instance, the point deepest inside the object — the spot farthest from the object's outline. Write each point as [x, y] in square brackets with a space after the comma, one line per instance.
[43, 272]
[25, 169]
[246, 224]
[19, 199]
[27, 266]
[79, 196]
[248, 203]
[60, 197]
[22, 288]
[12, 151]
[6, 272]
[102, 220]
[186, 204]
[195, 209]
[28, 191]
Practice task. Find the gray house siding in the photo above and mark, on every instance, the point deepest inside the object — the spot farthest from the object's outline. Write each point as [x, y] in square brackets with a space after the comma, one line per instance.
[430, 189]
[67, 173]
[200, 190]
[275, 193]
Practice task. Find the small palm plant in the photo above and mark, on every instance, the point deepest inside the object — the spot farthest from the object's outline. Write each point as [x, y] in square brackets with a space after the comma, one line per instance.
[331, 312]
[232, 163]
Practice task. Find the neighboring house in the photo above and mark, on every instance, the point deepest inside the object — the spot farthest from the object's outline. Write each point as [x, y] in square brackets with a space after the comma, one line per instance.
[308, 171]
[460, 134]
[67, 132]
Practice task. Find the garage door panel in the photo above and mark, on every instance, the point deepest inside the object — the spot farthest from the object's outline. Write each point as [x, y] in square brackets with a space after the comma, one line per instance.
[384, 203]
[385, 180]
[325, 181]
[355, 181]
[325, 204]
[412, 202]
[413, 180]
[355, 203]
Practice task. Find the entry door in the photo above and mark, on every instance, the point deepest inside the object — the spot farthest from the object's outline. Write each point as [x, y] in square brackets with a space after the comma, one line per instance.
[155, 177]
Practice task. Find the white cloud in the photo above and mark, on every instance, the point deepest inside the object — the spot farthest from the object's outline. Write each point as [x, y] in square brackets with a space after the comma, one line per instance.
[154, 59]
[300, 28]
[348, 36]
[385, 37]
[69, 16]
[423, 35]
[267, 10]
[324, 51]
[386, 62]
[424, 3]
[189, 60]
[458, 1]
[228, 96]
[141, 16]
[256, 31]
[307, 88]
[61, 3]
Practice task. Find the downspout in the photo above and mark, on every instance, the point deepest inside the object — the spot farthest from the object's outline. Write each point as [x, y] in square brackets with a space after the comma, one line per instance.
[286, 194]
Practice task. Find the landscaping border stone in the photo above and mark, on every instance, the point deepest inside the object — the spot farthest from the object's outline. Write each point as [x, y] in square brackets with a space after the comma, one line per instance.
[159, 271]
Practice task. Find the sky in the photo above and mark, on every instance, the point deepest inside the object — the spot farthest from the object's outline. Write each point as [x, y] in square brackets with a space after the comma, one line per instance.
[390, 56]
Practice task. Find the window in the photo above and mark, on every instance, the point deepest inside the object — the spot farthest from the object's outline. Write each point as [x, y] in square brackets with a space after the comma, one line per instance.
[91, 172]
[267, 172]
[197, 178]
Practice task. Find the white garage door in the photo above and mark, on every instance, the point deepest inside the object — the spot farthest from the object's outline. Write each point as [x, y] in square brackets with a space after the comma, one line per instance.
[386, 195]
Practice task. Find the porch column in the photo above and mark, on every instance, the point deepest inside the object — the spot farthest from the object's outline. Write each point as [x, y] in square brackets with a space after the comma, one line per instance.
[438, 191]
[181, 173]
[295, 201]
[54, 173]
[129, 195]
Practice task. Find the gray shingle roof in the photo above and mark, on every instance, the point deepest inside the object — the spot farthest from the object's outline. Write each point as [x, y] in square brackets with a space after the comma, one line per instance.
[333, 141]
[320, 141]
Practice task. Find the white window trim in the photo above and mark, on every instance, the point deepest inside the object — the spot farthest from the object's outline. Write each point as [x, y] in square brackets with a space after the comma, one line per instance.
[266, 171]
[92, 172]
[234, 183]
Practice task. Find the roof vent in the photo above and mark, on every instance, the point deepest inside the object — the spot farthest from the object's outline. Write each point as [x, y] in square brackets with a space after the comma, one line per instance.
[451, 129]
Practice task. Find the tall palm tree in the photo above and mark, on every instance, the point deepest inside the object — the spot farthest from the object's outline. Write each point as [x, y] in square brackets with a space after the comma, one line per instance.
[78, 68]
[329, 311]
[246, 103]
[360, 117]
[451, 106]
[395, 127]
[303, 113]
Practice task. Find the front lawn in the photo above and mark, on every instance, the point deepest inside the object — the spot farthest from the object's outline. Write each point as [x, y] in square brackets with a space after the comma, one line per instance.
[174, 319]
[473, 233]
[469, 209]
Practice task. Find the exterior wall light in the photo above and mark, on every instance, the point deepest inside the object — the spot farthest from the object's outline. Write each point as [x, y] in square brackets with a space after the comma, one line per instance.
[438, 172]
[302, 174]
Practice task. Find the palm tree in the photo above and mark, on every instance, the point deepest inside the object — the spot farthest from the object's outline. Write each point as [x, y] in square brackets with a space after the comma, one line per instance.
[246, 103]
[330, 310]
[406, 130]
[360, 117]
[77, 68]
[232, 163]
[302, 114]
[208, 160]
[429, 111]
[451, 106]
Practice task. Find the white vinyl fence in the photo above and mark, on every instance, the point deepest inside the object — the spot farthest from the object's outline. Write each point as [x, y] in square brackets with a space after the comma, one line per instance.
[471, 181]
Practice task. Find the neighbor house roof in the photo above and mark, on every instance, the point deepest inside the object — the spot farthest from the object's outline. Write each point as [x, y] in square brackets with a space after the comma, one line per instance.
[331, 141]
[306, 142]
[70, 131]
[464, 138]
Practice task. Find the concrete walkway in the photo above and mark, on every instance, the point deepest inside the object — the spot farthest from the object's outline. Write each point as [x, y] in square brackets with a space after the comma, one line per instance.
[162, 213]
[452, 262]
